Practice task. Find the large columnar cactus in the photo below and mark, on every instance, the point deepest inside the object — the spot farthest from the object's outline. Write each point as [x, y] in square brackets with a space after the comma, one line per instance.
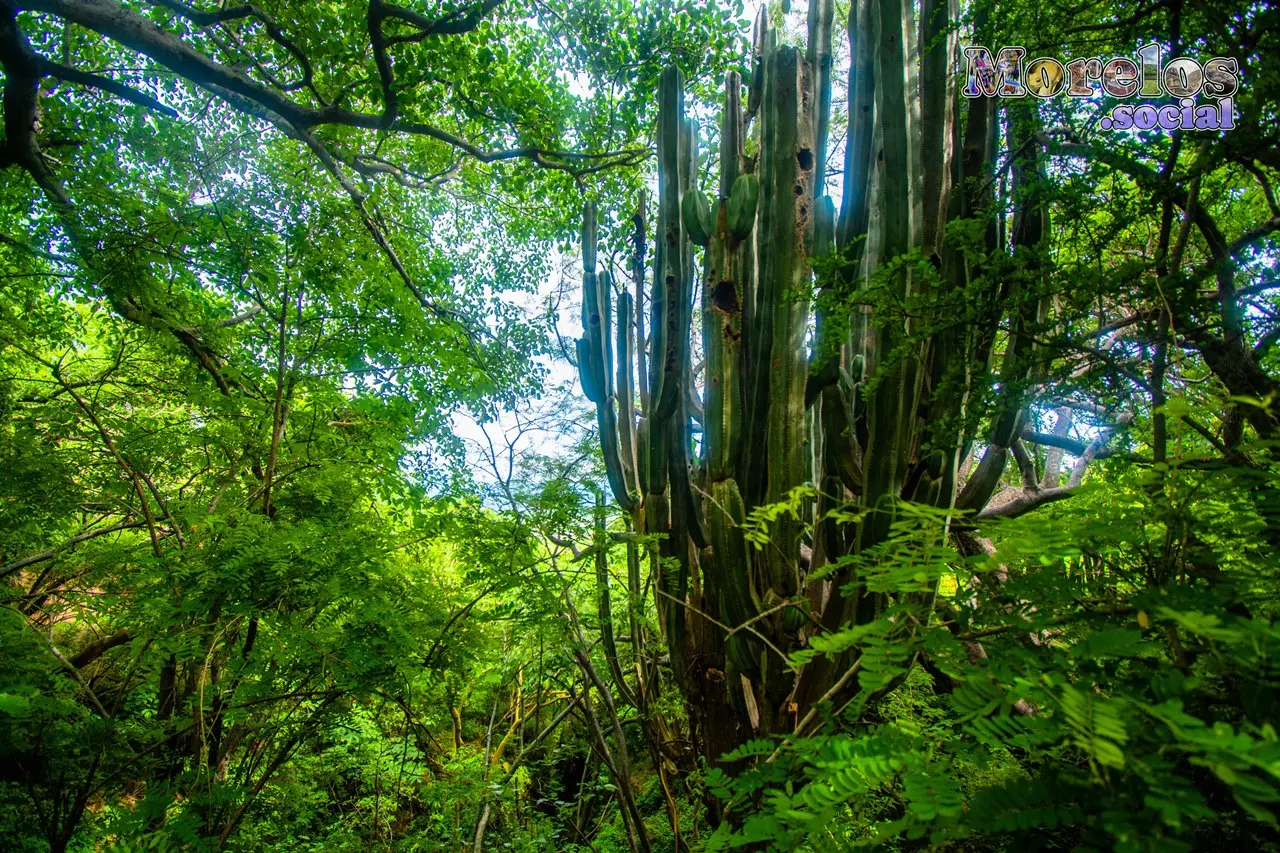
[871, 411]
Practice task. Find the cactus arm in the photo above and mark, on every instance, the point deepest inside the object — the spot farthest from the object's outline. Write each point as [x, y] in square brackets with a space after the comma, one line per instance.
[732, 133]
[722, 320]
[832, 446]
[855, 207]
[670, 241]
[911, 93]
[729, 574]
[625, 393]
[759, 39]
[937, 94]
[604, 303]
[857, 165]
[595, 358]
[595, 312]
[892, 410]
[655, 433]
[677, 280]
[786, 234]
[607, 421]
[637, 272]
[722, 305]
[686, 510]
[590, 352]
[821, 14]
[590, 382]
[604, 607]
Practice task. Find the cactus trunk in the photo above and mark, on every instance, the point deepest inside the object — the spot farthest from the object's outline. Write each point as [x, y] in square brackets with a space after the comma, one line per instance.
[775, 413]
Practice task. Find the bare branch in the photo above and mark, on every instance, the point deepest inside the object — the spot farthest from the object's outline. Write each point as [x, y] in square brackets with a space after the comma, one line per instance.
[1024, 500]
[1014, 502]
[1145, 12]
[241, 317]
[1053, 458]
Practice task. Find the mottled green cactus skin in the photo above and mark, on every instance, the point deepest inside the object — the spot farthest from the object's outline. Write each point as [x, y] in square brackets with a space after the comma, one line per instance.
[626, 393]
[785, 244]
[743, 199]
[595, 358]
[697, 217]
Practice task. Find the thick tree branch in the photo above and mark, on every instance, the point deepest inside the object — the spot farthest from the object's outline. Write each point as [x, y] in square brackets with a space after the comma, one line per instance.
[1026, 465]
[42, 556]
[106, 84]
[98, 648]
[455, 23]
[1014, 502]
[1059, 442]
[135, 32]
[24, 70]
[235, 13]
[1053, 458]
[1150, 179]
[1024, 500]
[241, 317]
[294, 118]
[22, 107]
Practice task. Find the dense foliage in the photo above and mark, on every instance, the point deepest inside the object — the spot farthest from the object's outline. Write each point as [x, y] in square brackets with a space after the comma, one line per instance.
[309, 540]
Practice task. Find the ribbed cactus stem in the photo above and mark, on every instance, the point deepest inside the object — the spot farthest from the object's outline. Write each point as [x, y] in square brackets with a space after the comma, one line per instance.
[604, 605]
[785, 238]
[595, 358]
[722, 288]
[590, 350]
[664, 378]
[768, 216]
[855, 207]
[625, 392]
[892, 409]
[732, 134]
[686, 521]
[673, 260]
[937, 46]
[760, 38]
[818, 55]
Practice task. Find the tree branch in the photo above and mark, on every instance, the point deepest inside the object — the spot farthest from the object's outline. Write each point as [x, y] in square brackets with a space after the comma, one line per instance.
[1026, 465]
[1025, 500]
[42, 556]
[95, 650]
[234, 13]
[135, 32]
[106, 84]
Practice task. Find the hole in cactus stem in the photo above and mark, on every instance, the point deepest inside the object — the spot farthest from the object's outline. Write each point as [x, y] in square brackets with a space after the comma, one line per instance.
[799, 189]
[725, 298]
[805, 158]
